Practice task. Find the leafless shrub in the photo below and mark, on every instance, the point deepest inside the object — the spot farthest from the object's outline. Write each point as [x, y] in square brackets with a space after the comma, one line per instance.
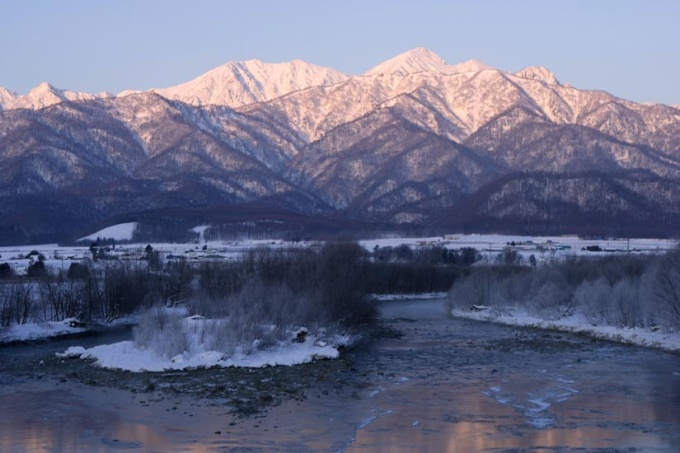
[16, 303]
[60, 299]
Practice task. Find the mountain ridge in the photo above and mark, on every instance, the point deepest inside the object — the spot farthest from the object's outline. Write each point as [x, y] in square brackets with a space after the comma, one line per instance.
[412, 143]
[413, 61]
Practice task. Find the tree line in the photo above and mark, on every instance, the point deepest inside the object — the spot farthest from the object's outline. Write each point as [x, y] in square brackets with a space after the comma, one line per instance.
[621, 290]
[332, 281]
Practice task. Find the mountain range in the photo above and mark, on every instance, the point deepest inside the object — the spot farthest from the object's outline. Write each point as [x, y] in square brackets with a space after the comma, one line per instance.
[413, 143]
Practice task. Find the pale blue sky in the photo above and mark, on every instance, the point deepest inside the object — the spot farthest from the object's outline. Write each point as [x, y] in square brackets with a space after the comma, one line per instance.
[629, 48]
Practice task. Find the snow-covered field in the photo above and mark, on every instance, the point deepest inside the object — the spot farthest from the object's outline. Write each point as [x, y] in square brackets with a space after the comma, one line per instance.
[120, 232]
[668, 341]
[58, 258]
[543, 248]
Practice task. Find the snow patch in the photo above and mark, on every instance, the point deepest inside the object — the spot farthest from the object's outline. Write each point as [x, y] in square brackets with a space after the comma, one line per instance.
[38, 331]
[120, 232]
[200, 230]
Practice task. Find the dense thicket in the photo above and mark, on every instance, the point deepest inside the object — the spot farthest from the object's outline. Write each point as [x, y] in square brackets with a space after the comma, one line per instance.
[622, 291]
[327, 284]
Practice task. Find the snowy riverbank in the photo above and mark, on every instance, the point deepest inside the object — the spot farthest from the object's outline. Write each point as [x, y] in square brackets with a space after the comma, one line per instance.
[39, 331]
[35, 331]
[668, 341]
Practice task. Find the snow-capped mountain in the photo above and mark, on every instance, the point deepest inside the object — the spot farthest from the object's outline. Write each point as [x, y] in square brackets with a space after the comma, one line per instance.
[538, 73]
[423, 60]
[6, 97]
[43, 96]
[246, 82]
[412, 142]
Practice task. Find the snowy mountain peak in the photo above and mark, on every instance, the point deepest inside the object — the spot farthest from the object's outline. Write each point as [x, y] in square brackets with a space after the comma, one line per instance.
[413, 61]
[538, 73]
[44, 87]
[238, 83]
[6, 96]
[41, 96]
[424, 60]
[5, 92]
[45, 95]
[469, 66]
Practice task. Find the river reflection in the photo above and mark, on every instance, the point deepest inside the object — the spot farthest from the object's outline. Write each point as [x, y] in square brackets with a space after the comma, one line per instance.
[504, 391]
[434, 419]
[53, 420]
[445, 386]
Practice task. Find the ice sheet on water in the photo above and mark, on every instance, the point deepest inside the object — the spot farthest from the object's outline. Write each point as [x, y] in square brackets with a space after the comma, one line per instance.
[535, 406]
[540, 405]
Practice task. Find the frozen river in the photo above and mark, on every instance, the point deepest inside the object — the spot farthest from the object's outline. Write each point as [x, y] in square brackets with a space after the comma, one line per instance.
[445, 385]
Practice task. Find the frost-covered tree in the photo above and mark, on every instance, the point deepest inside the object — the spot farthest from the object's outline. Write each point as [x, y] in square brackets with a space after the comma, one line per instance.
[475, 290]
[665, 289]
[593, 298]
[626, 308]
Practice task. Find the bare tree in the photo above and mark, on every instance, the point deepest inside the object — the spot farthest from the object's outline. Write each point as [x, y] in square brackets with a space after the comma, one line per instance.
[16, 303]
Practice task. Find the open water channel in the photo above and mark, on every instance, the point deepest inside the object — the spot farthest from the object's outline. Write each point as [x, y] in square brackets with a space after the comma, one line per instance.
[445, 385]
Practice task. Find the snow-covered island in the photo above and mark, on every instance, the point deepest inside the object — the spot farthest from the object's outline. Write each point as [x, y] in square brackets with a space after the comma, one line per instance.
[198, 337]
